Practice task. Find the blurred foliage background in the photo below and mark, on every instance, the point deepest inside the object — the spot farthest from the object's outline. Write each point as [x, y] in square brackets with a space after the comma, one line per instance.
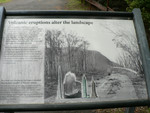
[3, 1]
[144, 5]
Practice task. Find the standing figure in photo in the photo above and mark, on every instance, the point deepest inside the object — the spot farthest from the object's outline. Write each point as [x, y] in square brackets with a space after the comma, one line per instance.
[84, 87]
[109, 70]
[93, 93]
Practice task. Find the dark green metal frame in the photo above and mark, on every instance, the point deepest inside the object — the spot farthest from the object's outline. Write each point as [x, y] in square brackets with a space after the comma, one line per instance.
[142, 40]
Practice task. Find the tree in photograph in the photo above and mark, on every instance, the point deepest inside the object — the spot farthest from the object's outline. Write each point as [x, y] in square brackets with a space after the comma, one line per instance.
[130, 56]
[65, 49]
[84, 52]
[72, 43]
[76, 50]
[53, 51]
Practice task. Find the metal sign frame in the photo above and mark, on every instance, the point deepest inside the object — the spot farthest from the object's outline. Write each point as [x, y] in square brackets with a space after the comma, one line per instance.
[142, 41]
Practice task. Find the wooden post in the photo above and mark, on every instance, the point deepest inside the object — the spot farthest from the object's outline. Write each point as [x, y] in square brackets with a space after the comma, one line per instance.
[107, 5]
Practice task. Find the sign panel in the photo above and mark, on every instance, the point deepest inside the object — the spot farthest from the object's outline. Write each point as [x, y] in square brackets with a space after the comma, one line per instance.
[22, 64]
[51, 60]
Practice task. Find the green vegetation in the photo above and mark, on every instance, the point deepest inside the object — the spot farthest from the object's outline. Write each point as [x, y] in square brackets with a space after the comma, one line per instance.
[3, 1]
[144, 5]
[76, 5]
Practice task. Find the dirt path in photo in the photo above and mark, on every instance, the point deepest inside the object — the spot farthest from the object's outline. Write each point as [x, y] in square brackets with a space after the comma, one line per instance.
[35, 5]
[116, 87]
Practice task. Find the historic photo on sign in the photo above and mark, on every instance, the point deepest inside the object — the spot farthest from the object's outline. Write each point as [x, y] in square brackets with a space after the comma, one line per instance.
[70, 60]
[93, 59]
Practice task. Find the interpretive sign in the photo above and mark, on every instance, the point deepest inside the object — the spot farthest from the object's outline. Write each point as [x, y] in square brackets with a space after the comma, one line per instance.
[71, 60]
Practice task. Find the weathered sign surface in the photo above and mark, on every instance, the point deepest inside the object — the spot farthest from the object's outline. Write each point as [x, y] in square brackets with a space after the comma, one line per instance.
[70, 60]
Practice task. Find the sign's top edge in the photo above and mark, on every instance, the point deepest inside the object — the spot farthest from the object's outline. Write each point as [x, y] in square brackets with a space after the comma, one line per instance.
[67, 13]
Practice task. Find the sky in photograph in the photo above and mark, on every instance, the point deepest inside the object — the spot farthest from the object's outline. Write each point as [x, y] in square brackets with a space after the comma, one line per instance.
[97, 34]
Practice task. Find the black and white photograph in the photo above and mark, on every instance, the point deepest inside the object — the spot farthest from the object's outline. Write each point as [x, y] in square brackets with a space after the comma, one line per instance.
[95, 60]
[71, 60]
